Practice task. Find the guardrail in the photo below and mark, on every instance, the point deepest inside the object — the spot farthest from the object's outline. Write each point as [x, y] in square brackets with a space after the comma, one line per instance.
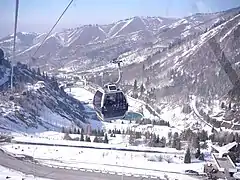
[95, 147]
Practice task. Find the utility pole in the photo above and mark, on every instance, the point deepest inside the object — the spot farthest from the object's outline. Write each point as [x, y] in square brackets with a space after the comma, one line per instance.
[14, 41]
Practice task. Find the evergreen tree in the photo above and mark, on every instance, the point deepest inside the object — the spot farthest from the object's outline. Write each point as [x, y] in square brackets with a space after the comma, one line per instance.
[141, 89]
[157, 139]
[168, 124]
[170, 135]
[67, 136]
[230, 105]
[178, 144]
[46, 75]
[174, 141]
[78, 131]
[102, 133]
[187, 158]
[95, 139]
[135, 85]
[88, 139]
[163, 141]
[105, 139]
[38, 71]
[222, 105]
[63, 130]
[201, 157]
[109, 131]
[143, 67]
[75, 131]
[82, 137]
[203, 136]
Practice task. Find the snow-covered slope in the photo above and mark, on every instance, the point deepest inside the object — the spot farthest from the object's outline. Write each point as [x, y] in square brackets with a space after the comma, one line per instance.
[37, 103]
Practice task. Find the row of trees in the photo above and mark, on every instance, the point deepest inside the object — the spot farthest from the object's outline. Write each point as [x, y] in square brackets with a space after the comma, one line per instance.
[97, 139]
[75, 130]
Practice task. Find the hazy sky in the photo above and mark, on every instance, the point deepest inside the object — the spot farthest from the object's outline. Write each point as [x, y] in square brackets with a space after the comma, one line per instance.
[40, 15]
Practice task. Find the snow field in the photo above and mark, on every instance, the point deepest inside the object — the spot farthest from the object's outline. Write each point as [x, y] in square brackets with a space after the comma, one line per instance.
[133, 162]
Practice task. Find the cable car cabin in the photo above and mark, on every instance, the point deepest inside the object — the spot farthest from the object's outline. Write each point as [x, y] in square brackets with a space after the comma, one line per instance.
[110, 103]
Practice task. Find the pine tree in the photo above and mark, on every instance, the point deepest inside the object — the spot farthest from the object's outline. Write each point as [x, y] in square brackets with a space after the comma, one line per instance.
[157, 139]
[75, 131]
[168, 124]
[102, 133]
[178, 144]
[222, 105]
[63, 130]
[135, 85]
[201, 157]
[82, 137]
[78, 131]
[88, 139]
[141, 89]
[105, 139]
[230, 105]
[67, 136]
[187, 158]
[38, 71]
[95, 139]
[174, 141]
[170, 135]
[143, 67]
[163, 141]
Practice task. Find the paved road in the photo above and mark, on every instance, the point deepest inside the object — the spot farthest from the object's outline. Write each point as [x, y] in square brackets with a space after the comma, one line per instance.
[52, 173]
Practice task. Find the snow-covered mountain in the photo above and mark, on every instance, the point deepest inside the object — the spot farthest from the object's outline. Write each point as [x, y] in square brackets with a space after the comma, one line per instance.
[37, 102]
[95, 44]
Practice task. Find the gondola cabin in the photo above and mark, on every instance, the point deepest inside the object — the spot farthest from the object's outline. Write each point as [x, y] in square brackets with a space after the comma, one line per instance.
[110, 103]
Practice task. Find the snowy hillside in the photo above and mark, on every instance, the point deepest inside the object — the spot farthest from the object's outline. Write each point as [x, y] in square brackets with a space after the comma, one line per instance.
[37, 103]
